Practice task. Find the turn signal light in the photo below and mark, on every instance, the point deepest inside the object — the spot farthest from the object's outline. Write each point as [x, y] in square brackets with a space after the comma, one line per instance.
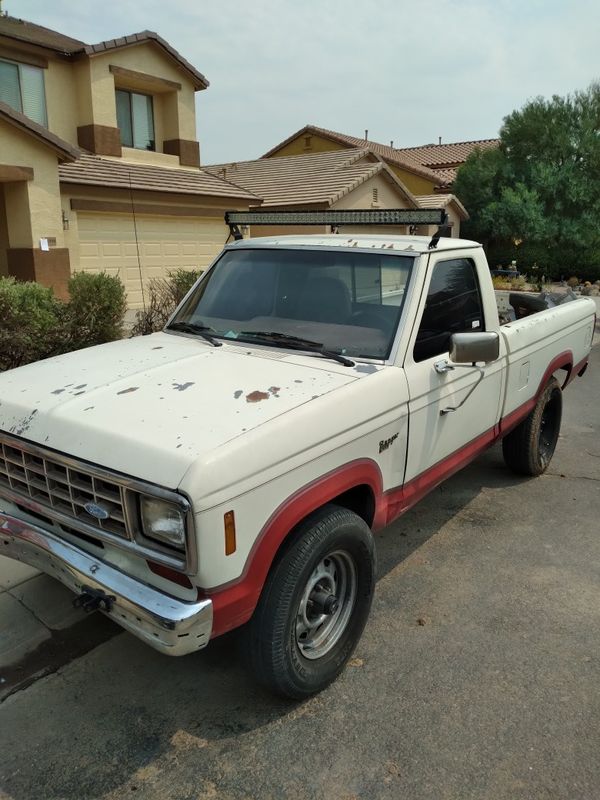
[230, 543]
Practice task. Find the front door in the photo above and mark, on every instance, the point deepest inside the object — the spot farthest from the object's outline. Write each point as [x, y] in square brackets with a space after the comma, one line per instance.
[439, 442]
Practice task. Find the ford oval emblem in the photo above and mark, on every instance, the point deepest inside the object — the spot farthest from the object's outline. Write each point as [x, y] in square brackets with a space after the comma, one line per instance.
[99, 512]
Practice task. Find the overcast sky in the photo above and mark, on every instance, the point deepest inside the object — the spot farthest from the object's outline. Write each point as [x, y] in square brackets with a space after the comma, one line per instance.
[407, 71]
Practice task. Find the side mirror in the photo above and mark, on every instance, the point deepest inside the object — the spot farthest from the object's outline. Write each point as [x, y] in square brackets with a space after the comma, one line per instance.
[468, 348]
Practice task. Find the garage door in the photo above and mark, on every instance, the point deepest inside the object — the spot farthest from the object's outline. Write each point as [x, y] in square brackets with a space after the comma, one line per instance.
[108, 242]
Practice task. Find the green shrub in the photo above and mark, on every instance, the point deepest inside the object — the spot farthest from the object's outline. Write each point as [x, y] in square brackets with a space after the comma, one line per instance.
[164, 295]
[95, 311]
[34, 324]
[30, 322]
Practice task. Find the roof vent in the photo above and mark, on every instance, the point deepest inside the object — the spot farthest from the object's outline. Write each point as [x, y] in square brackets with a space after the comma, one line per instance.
[366, 134]
[391, 143]
[439, 139]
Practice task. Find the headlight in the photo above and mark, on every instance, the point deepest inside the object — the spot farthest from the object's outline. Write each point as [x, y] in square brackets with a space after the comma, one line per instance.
[163, 521]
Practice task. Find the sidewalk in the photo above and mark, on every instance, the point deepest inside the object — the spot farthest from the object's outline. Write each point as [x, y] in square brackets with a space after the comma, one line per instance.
[40, 630]
[32, 607]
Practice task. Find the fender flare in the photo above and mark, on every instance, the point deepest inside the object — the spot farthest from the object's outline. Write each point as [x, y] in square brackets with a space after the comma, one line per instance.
[562, 361]
[234, 603]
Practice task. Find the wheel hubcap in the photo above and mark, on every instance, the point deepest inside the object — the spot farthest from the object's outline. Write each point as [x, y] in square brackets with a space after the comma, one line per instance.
[326, 605]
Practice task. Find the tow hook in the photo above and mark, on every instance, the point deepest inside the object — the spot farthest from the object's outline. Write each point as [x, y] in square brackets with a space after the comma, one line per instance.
[94, 600]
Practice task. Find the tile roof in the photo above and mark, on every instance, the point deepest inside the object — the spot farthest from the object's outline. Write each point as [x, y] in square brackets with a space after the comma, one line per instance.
[441, 201]
[94, 171]
[25, 31]
[389, 153]
[453, 154]
[308, 179]
[438, 162]
[64, 150]
[445, 159]
[200, 82]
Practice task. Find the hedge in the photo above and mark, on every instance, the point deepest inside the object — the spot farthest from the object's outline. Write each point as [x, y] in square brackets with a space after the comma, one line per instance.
[34, 324]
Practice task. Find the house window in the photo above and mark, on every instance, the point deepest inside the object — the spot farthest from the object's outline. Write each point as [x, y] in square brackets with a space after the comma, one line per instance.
[135, 119]
[22, 88]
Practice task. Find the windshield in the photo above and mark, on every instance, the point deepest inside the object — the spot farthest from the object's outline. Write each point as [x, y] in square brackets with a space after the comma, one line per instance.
[346, 302]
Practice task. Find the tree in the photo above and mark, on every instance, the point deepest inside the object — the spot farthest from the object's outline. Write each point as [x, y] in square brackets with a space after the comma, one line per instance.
[537, 197]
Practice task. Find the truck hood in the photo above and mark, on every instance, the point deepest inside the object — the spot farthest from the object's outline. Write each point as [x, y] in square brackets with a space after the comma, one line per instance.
[150, 406]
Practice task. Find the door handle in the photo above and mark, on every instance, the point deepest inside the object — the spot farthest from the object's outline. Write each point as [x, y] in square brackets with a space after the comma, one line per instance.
[442, 366]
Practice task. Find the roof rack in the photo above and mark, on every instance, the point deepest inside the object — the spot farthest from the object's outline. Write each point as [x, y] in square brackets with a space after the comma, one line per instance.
[364, 216]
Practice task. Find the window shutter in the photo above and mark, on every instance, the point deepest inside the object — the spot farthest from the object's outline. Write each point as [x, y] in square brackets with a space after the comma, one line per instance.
[32, 93]
[9, 85]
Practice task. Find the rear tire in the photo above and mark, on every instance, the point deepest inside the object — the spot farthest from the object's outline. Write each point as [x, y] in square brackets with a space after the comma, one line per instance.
[314, 605]
[529, 448]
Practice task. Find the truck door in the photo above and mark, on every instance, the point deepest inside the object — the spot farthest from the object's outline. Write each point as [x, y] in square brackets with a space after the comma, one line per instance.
[452, 303]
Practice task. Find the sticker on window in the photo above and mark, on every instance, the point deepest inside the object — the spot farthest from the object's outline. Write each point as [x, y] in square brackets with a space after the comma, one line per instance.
[475, 323]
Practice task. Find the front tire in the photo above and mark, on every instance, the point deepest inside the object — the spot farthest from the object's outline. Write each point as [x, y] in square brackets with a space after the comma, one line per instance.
[314, 605]
[529, 448]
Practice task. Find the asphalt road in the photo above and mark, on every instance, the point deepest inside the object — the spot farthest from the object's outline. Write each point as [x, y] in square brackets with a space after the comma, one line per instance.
[495, 695]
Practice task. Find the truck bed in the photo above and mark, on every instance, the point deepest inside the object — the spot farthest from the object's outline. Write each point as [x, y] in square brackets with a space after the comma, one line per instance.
[554, 336]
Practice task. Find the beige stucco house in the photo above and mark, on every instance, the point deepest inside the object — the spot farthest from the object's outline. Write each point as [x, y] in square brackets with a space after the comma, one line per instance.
[428, 171]
[343, 178]
[425, 169]
[100, 162]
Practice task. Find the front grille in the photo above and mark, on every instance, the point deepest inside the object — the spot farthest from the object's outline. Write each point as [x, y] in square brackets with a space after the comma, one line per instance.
[63, 489]
[56, 488]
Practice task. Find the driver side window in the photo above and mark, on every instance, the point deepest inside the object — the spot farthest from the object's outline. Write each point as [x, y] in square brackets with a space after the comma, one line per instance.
[453, 305]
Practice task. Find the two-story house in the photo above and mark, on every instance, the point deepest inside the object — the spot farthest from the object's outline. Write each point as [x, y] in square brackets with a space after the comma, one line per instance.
[339, 178]
[100, 162]
[428, 172]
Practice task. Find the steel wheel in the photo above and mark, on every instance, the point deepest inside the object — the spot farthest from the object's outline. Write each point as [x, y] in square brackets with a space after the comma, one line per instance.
[529, 448]
[314, 604]
[326, 605]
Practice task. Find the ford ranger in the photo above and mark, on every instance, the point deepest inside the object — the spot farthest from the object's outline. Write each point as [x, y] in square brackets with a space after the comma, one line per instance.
[229, 471]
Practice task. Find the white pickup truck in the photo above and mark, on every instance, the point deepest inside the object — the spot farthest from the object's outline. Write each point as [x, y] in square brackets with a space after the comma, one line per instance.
[229, 471]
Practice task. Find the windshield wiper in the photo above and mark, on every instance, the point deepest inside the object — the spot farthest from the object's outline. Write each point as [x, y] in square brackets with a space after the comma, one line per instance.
[296, 343]
[200, 330]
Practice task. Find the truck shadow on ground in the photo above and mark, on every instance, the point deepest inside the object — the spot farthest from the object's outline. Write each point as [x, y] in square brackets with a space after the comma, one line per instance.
[407, 534]
[122, 716]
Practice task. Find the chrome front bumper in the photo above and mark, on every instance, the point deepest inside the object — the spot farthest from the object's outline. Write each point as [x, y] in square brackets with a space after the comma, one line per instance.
[173, 626]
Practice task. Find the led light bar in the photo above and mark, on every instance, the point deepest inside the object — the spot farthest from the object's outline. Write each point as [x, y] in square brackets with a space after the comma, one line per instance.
[388, 216]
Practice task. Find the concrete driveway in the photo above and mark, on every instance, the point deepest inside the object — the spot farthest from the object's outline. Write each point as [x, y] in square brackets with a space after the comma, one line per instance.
[478, 675]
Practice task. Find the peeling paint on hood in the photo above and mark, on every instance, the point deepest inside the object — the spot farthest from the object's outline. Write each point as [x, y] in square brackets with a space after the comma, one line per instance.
[151, 406]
